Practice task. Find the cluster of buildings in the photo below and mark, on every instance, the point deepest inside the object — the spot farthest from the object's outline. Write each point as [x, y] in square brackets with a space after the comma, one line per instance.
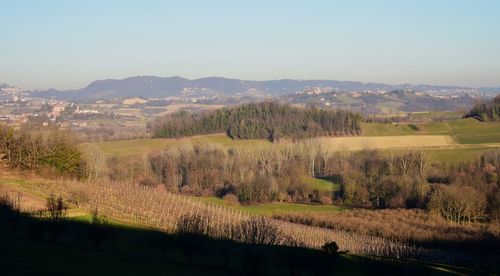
[18, 111]
[316, 90]
[14, 118]
[193, 90]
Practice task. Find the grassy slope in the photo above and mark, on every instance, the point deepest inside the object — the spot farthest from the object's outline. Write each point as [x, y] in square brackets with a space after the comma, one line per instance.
[17, 185]
[435, 114]
[137, 147]
[131, 250]
[375, 129]
[471, 131]
[458, 155]
[468, 132]
[434, 128]
[136, 251]
[322, 184]
[431, 128]
[133, 147]
[270, 209]
[475, 137]
[45, 258]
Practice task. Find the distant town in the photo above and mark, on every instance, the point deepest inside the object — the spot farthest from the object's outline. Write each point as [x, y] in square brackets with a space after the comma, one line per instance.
[19, 106]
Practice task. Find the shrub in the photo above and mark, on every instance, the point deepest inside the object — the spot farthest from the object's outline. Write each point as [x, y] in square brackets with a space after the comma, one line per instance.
[259, 230]
[458, 203]
[148, 182]
[231, 198]
[78, 197]
[330, 248]
[57, 209]
[326, 200]
[193, 225]
[187, 190]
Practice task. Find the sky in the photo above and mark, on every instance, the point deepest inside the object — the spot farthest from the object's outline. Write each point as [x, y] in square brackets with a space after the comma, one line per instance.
[67, 44]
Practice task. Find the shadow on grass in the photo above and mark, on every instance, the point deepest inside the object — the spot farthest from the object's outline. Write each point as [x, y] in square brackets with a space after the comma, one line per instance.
[36, 246]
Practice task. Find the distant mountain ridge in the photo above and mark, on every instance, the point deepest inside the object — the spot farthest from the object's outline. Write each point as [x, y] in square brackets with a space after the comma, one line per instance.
[163, 87]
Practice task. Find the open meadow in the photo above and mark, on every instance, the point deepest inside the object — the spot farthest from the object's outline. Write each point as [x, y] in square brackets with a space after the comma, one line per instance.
[451, 142]
[465, 131]
[134, 147]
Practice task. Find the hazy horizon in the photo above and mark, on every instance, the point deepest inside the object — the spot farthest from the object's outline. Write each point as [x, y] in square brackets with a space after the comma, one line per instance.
[67, 45]
[242, 79]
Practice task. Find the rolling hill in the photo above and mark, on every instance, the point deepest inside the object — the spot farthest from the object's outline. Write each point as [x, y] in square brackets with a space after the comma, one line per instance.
[162, 87]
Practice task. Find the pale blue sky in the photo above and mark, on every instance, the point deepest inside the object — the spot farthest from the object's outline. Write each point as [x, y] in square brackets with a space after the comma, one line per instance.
[67, 44]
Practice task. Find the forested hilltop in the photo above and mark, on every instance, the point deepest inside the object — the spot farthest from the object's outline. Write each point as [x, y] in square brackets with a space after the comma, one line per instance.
[487, 111]
[267, 120]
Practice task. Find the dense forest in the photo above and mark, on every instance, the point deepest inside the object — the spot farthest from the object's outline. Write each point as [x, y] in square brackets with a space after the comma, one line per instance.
[486, 111]
[259, 121]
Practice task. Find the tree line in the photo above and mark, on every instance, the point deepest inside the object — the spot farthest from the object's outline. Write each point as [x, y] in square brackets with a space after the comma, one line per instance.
[268, 120]
[368, 179]
[37, 149]
[486, 111]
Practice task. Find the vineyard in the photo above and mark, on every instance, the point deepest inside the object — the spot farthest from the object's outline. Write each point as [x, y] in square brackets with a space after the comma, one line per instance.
[160, 209]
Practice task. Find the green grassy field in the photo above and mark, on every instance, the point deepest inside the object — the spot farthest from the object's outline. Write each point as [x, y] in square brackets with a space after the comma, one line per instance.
[424, 115]
[468, 132]
[376, 129]
[270, 209]
[322, 184]
[431, 128]
[135, 147]
[225, 141]
[471, 131]
[436, 114]
[458, 155]
[138, 147]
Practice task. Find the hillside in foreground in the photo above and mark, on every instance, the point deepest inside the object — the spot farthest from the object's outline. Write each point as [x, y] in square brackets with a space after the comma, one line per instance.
[131, 251]
[83, 244]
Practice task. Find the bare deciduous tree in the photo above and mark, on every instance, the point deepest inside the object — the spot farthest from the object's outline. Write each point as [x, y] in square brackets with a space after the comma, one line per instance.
[94, 162]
